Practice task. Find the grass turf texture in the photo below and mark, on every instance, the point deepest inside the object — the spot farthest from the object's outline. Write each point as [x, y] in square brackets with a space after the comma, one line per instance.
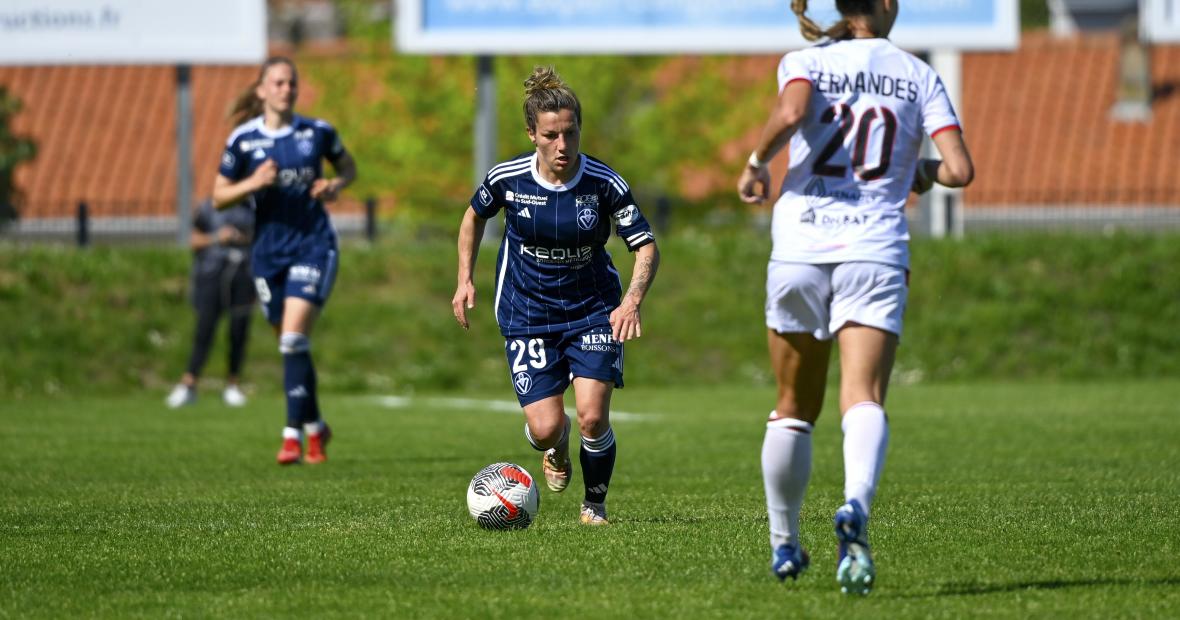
[999, 500]
[107, 321]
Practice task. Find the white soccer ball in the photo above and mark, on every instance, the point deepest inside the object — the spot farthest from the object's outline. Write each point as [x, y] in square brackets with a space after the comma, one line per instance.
[503, 496]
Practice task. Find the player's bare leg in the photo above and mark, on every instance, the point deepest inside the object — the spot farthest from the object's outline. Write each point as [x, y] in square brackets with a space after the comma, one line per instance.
[866, 360]
[597, 454]
[800, 364]
[547, 428]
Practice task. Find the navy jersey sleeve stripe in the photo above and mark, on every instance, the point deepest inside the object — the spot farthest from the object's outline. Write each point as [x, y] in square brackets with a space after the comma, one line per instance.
[599, 167]
[611, 180]
[509, 173]
[249, 125]
[511, 162]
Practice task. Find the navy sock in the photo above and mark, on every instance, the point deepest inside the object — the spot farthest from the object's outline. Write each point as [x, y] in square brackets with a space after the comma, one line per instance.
[311, 408]
[598, 464]
[299, 382]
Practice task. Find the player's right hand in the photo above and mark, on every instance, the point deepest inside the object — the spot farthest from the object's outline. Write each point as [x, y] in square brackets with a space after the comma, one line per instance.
[463, 301]
[754, 185]
[265, 174]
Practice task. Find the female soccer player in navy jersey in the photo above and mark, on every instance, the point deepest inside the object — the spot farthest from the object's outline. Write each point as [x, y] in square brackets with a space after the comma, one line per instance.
[854, 110]
[558, 299]
[277, 157]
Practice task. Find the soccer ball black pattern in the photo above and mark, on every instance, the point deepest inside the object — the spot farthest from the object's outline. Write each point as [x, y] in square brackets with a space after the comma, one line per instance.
[503, 496]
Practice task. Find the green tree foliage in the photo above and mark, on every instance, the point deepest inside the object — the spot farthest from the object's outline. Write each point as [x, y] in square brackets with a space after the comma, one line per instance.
[13, 150]
[1034, 14]
[674, 126]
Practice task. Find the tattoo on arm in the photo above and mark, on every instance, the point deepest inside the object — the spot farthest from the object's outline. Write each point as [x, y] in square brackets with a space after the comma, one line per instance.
[645, 272]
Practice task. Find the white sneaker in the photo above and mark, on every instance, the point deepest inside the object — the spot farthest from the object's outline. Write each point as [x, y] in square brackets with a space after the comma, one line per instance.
[233, 396]
[593, 514]
[180, 396]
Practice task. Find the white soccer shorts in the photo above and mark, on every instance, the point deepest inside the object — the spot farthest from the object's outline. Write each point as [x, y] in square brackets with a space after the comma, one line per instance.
[821, 299]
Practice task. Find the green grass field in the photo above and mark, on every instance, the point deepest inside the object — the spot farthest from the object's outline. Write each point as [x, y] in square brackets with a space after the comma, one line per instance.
[999, 500]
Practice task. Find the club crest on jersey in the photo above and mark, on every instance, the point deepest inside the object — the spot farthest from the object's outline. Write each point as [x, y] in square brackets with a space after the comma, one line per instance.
[587, 218]
[304, 147]
[523, 382]
[485, 197]
[587, 211]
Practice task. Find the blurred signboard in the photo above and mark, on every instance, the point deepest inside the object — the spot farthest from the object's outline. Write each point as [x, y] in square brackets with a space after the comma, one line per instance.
[43, 32]
[677, 26]
[1159, 20]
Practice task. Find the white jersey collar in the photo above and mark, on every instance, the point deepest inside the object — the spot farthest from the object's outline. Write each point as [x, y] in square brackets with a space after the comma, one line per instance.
[281, 132]
[550, 186]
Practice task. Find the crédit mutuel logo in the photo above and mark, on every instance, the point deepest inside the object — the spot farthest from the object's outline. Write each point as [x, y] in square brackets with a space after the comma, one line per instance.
[526, 199]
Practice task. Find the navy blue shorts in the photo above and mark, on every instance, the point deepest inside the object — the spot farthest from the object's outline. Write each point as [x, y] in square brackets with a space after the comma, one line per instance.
[541, 367]
[309, 278]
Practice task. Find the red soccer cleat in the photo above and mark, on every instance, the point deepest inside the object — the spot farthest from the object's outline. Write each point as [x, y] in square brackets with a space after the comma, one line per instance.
[317, 444]
[291, 452]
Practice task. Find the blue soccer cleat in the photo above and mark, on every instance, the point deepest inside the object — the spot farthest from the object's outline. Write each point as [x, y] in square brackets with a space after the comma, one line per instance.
[788, 561]
[855, 571]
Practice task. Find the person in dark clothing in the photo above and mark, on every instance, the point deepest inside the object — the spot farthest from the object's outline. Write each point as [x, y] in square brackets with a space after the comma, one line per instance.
[221, 285]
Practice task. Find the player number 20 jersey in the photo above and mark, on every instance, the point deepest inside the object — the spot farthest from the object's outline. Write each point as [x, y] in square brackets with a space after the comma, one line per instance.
[854, 156]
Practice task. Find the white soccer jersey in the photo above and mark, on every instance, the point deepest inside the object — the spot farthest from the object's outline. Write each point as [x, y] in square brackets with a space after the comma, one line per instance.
[854, 156]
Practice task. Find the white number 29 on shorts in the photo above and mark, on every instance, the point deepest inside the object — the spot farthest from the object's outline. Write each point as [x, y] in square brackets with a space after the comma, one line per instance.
[535, 348]
[263, 290]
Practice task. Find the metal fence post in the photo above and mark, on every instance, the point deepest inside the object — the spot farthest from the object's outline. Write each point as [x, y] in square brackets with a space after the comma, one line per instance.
[83, 225]
[371, 219]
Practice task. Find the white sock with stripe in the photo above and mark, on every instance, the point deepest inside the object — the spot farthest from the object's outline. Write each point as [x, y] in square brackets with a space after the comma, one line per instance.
[786, 470]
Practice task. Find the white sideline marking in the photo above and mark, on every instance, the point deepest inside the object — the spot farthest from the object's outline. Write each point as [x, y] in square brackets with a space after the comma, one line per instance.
[498, 406]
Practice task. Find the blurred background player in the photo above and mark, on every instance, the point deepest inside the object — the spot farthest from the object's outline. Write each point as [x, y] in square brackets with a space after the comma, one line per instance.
[558, 298]
[276, 157]
[854, 110]
[221, 284]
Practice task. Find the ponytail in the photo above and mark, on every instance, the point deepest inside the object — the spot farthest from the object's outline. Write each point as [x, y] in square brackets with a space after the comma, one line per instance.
[841, 29]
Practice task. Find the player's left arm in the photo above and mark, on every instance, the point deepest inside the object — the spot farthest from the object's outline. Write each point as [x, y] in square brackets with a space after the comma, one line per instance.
[342, 162]
[328, 189]
[625, 320]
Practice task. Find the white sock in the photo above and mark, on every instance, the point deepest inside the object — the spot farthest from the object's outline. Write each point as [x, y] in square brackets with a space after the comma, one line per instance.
[290, 432]
[313, 428]
[786, 469]
[866, 435]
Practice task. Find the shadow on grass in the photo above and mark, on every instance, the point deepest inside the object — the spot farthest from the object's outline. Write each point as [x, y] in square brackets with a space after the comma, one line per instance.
[972, 588]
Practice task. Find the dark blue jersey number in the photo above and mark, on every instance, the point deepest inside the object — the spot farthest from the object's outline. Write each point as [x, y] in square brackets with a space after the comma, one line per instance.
[844, 115]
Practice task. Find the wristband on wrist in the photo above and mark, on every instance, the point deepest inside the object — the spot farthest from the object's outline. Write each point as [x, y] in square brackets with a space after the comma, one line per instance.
[754, 162]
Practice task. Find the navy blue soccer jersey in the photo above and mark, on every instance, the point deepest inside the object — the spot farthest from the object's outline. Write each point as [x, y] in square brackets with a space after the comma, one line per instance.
[553, 272]
[289, 223]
